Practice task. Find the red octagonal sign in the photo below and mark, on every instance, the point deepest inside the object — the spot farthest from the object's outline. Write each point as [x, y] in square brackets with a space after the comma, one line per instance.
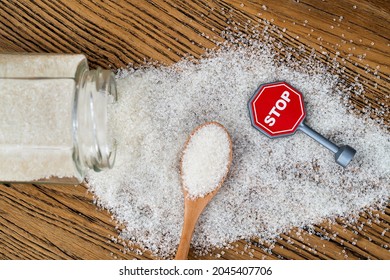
[276, 109]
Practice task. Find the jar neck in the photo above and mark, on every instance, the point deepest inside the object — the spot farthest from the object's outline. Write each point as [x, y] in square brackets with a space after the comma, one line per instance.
[94, 146]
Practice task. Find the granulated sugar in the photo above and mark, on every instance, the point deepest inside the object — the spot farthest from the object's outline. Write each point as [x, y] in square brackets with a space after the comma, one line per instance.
[25, 130]
[37, 100]
[273, 184]
[205, 160]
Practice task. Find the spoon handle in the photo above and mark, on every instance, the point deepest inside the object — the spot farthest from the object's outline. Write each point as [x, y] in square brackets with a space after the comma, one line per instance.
[192, 211]
[185, 241]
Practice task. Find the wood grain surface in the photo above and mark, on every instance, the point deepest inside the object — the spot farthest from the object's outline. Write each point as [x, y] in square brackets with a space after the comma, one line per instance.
[62, 222]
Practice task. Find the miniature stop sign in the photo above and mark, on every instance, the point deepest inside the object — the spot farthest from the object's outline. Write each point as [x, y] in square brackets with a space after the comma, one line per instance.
[277, 109]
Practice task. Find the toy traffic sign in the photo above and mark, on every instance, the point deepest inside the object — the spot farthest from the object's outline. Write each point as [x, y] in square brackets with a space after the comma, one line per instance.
[277, 109]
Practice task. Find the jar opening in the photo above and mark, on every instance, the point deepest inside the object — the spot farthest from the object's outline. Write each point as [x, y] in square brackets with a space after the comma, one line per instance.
[95, 148]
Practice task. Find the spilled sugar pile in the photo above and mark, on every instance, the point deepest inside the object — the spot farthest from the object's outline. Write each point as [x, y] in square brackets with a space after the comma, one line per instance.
[273, 185]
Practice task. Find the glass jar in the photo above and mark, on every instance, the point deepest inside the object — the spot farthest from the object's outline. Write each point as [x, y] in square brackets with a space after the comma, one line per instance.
[54, 118]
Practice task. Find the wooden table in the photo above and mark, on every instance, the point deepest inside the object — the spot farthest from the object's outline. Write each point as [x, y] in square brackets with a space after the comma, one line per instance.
[62, 222]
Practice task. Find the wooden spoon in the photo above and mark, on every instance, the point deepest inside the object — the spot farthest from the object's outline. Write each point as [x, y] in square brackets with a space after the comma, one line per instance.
[193, 207]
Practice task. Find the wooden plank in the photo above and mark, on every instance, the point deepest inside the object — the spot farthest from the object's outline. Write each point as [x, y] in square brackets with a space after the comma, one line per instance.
[62, 222]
